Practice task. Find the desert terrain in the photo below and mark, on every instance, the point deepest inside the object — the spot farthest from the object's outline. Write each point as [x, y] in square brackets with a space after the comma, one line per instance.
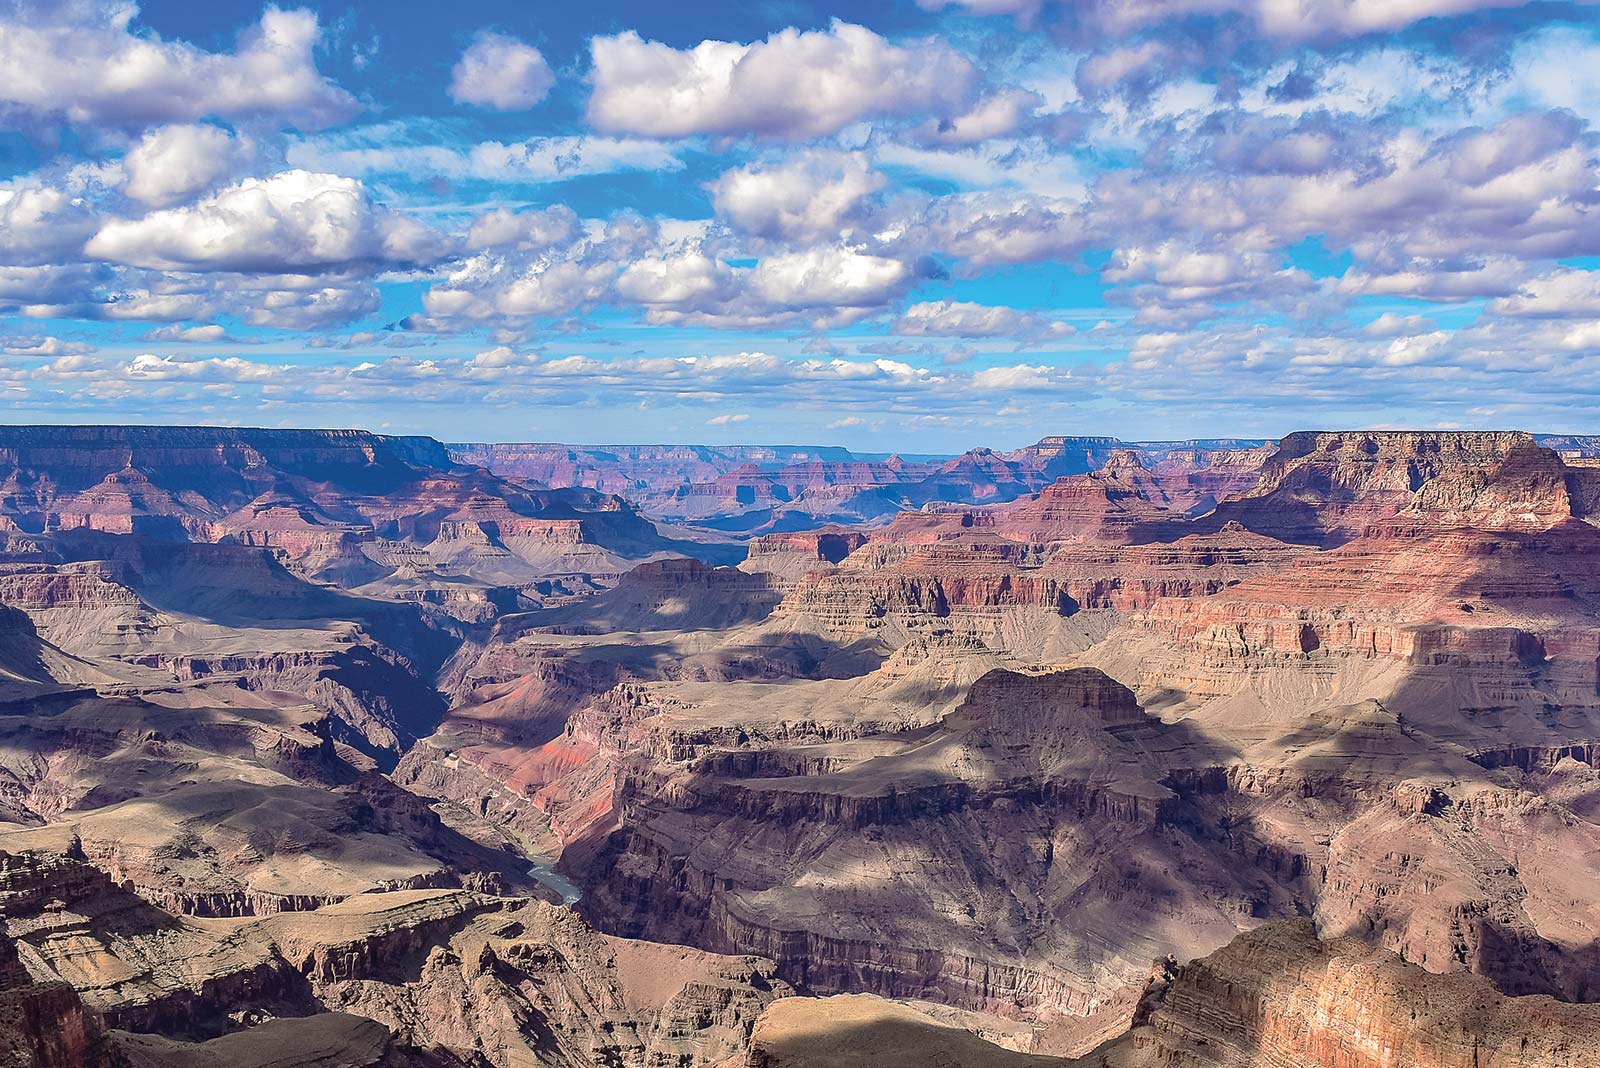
[331, 748]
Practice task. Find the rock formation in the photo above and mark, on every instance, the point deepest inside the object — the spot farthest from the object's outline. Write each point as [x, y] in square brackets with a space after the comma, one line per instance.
[1276, 997]
[331, 745]
[1280, 998]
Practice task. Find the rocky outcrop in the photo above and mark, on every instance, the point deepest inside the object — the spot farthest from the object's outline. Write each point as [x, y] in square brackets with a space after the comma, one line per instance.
[474, 978]
[510, 982]
[1324, 488]
[45, 1024]
[1050, 769]
[345, 506]
[137, 967]
[757, 489]
[1278, 997]
[1071, 709]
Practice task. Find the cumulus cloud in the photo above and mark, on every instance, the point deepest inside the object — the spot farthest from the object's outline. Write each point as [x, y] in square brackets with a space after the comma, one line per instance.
[484, 288]
[840, 169]
[292, 221]
[1392, 324]
[1175, 272]
[174, 163]
[309, 306]
[804, 197]
[985, 7]
[996, 228]
[1556, 295]
[689, 280]
[1000, 114]
[818, 287]
[42, 223]
[503, 228]
[501, 72]
[42, 347]
[955, 318]
[1295, 19]
[829, 278]
[203, 334]
[1115, 65]
[37, 288]
[1441, 281]
[794, 85]
[82, 61]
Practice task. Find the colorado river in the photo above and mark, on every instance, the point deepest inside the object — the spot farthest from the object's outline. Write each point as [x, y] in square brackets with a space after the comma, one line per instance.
[546, 874]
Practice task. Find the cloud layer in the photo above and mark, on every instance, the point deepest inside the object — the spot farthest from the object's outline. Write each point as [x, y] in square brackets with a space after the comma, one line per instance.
[964, 221]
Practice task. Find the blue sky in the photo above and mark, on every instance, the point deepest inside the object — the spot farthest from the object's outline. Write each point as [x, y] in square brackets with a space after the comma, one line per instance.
[921, 225]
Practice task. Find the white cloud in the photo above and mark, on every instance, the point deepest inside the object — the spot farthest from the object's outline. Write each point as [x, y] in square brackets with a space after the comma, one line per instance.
[502, 228]
[1558, 294]
[1179, 272]
[1582, 336]
[502, 73]
[986, 7]
[1438, 281]
[725, 420]
[292, 221]
[79, 60]
[829, 277]
[820, 287]
[150, 366]
[209, 332]
[174, 163]
[394, 149]
[956, 318]
[42, 223]
[794, 85]
[43, 285]
[988, 229]
[1018, 377]
[309, 307]
[1557, 67]
[1318, 18]
[1392, 324]
[997, 115]
[42, 346]
[688, 280]
[483, 288]
[1105, 69]
[808, 196]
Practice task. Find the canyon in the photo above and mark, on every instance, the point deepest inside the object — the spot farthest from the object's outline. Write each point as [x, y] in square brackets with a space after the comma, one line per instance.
[336, 748]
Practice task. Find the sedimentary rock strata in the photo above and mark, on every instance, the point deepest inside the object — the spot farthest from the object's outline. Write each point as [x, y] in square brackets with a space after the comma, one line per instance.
[341, 741]
[1280, 998]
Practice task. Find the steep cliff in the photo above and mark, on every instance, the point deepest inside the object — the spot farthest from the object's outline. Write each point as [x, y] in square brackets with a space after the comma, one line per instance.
[1279, 998]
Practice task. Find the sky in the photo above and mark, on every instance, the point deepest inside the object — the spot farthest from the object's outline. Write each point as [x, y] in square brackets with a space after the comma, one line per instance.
[921, 225]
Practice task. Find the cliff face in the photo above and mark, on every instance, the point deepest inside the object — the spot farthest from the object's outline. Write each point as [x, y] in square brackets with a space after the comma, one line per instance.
[283, 725]
[44, 1024]
[756, 489]
[347, 506]
[1279, 998]
[1060, 772]
[462, 977]
[1275, 997]
[1324, 488]
[1303, 693]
